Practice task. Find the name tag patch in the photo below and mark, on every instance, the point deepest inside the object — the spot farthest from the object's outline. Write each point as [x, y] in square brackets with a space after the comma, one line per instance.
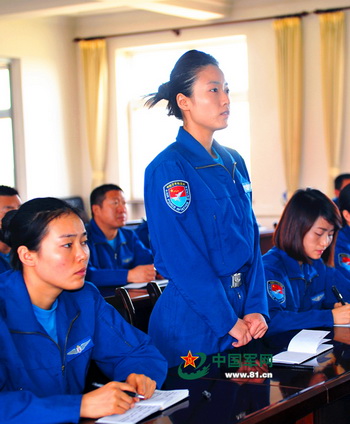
[247, 187]
[177, 195]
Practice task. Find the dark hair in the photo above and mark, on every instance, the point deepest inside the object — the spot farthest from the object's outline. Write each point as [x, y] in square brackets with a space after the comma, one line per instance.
[98, 194]
[338, 181]
[299, 215]
[27, 226]
[8, 191]
[344, 201]
[182, 78]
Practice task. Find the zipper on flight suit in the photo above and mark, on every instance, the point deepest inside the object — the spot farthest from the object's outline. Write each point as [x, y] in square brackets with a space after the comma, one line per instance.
[219, 164]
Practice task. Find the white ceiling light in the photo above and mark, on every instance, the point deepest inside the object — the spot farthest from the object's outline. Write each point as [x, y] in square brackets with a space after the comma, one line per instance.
[181, 11]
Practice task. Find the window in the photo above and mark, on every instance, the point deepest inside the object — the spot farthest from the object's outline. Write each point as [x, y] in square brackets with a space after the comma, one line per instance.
[7, 166]
[139, 71]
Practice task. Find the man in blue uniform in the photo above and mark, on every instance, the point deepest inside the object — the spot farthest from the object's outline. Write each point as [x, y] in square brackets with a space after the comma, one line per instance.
[117, 255]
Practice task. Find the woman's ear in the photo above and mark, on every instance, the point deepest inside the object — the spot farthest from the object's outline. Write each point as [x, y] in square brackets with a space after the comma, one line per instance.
[27, 257]
[182, 101]
[346, 215]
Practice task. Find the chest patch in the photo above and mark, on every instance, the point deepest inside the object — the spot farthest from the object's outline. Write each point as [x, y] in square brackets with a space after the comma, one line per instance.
[78, 348]
[276, 291]
[318, 297]
[177, 195]
[344, 260]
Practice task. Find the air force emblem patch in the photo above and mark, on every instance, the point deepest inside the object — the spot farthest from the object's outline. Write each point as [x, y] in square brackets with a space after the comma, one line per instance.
[177, 195]
[276, 291]
[344, 260]
[78, 348]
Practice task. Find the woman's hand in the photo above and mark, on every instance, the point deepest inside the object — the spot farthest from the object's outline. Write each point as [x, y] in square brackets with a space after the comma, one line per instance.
[107, 400]
[240, 331]
[256, 324]
[341, 314]
[142, 384]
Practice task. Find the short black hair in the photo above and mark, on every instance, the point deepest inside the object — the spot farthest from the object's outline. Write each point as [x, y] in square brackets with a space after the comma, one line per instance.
[98, 194]
[27, 226]
[338, 181]
[299, 215]
[8, 191]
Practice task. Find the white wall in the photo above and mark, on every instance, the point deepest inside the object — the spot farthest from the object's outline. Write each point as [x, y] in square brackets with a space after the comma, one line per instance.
[266, 158]
[48, 75]
[57, 159]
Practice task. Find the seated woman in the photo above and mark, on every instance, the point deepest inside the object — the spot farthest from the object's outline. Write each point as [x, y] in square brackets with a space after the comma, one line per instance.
[342, 246]
[298, 282]
[52, 325]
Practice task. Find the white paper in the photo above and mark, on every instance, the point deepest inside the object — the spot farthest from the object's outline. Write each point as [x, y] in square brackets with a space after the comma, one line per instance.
[303, 346]
[160, 400]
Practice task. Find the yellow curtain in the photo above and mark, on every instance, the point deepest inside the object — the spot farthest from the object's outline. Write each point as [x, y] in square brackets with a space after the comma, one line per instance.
[289, 74]
[332, 61]
[95, 70]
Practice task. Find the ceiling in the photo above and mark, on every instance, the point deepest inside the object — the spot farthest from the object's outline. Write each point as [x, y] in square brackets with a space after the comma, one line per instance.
[189, 9]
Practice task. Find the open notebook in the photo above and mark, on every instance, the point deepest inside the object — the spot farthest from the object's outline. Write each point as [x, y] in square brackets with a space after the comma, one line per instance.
[304, 346]
[160, 400]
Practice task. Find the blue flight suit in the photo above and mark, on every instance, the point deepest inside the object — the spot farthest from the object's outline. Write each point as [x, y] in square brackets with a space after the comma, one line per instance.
[202, 230]
[4, 265]
[300, 296]
[42, 381]
[342, 251]
[109, 267]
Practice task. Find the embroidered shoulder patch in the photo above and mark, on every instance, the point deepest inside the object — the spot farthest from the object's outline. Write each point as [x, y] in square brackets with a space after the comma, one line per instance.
[177, 195]
[344, 260]
[78, 348]
[276, 291]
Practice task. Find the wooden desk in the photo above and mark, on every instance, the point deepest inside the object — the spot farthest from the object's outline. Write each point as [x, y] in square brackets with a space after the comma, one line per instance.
[289, 396]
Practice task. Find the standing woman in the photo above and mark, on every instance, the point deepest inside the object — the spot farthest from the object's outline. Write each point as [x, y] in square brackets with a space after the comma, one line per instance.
[52, 325]
[202, 228]
[298, 279]
[342, 247]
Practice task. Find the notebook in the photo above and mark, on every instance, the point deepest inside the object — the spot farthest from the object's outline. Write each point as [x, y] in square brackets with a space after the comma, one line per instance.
[160, 400]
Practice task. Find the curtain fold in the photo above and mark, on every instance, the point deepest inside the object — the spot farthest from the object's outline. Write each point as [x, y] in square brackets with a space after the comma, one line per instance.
[332, 29]
[95, 71]
[289, 74]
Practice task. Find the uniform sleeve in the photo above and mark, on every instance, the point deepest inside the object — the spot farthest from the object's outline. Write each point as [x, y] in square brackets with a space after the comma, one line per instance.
[256, 301]
[142, 255]
[106, 277]
[121, 349]
[342, 255]
[23, 407]
[256, 294]
[181, 253]
[282, 319]
[335, 277]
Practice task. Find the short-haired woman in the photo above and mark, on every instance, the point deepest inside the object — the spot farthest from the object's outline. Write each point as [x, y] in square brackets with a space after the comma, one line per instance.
[298, 281]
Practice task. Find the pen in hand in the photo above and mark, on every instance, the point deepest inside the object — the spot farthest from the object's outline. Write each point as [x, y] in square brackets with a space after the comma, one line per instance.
[128, 392]
[338, 295]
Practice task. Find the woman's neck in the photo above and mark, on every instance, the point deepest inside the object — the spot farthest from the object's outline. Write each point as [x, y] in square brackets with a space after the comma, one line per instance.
[41, 294]
[203, 136]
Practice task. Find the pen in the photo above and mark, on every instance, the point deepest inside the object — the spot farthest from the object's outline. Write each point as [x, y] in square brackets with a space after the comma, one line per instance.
[128, 392]
[338, 296]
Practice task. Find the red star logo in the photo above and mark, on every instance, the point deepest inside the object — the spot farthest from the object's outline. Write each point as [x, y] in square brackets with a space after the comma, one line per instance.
[189, 359]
